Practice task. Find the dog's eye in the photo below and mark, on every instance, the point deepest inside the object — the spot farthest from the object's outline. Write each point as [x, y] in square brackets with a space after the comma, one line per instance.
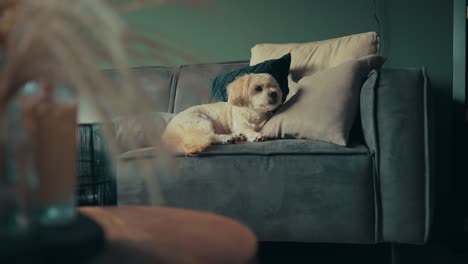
[258, 88]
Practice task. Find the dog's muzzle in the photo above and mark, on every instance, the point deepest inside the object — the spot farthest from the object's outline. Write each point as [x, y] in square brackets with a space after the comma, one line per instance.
[273, 97]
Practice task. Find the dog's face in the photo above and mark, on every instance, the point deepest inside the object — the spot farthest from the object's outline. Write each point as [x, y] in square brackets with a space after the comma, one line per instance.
[260, 92]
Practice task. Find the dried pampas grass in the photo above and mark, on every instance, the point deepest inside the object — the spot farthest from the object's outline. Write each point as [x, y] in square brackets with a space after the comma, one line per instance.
[64, 41]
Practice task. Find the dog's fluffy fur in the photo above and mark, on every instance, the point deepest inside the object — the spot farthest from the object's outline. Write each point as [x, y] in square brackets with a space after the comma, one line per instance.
[251, 101]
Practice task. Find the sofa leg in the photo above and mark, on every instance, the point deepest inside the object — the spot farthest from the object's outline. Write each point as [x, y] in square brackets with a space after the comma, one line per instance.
[395, 253]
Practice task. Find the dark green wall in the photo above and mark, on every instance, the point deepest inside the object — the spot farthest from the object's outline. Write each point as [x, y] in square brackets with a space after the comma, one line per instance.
[233, 27]
[414, 33]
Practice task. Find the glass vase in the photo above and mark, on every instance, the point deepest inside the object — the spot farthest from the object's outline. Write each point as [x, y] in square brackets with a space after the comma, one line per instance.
[40, 154]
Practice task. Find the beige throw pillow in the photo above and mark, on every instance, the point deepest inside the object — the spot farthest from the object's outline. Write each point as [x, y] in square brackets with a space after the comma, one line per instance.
[308, 58]
[325, 104]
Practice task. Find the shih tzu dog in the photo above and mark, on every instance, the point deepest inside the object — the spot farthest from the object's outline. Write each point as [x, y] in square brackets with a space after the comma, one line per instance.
[252, 98]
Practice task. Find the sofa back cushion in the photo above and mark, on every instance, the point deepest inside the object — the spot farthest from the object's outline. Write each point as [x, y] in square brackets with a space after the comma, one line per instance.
[195, 82]
[156, 82]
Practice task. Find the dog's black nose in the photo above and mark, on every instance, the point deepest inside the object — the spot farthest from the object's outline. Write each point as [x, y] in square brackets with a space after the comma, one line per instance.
[272, 94]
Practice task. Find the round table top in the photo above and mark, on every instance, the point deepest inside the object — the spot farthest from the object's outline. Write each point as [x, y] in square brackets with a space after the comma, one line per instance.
[143, 234]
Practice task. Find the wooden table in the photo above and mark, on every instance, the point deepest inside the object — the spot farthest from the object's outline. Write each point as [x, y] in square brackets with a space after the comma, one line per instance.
[138, 234]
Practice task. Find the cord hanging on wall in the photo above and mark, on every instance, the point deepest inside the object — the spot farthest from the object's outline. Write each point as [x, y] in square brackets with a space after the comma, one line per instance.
[379, 24]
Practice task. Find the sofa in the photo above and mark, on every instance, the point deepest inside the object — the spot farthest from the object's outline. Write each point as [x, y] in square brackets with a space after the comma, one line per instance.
[376, 189]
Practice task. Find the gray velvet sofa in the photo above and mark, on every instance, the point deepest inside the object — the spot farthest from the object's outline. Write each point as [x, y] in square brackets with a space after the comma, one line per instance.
[378, 189]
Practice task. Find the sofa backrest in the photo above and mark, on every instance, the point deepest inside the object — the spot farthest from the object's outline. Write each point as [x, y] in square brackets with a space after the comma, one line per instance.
[176, 89]
[157, 83]
[194, 83]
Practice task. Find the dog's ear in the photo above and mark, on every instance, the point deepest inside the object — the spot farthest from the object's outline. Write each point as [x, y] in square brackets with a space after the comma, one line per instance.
[238, 91]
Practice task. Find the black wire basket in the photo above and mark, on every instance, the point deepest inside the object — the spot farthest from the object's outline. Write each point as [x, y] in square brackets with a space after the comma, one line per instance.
[96, 177]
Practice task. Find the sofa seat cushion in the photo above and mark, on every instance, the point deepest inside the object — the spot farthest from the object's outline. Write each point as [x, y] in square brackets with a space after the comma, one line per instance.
[285, 190]
[272, 147]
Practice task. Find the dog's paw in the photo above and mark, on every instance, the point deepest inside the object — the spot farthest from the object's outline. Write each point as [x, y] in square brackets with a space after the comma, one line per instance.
[260, 137]
[236, 138]
[223, 139]
[239, 138]
[257, 137]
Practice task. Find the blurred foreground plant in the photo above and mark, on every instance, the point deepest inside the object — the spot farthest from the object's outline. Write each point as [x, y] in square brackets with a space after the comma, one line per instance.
[63, 42]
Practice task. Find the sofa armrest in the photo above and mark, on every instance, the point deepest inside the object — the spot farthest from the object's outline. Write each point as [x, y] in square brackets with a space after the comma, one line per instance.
[395, 119]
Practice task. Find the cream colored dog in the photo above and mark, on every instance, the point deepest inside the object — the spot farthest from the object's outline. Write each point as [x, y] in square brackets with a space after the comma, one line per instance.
[251, 101]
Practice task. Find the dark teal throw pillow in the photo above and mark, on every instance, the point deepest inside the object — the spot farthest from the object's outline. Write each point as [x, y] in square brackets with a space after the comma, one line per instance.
[278, 68]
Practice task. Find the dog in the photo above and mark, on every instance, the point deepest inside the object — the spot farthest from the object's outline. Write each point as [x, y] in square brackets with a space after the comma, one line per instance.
[252, 98]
